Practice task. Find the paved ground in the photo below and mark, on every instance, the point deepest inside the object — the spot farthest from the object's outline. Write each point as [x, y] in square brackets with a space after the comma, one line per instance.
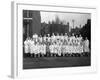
[54, 62]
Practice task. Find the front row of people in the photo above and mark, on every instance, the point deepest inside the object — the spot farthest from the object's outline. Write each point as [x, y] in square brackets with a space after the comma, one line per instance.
[66, 46]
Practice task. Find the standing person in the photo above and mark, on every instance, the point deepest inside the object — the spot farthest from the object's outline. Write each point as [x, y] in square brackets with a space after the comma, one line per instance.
[80, 38]
[47, 45]
[64, 49]
[44, 49]
[52, 38]
[86, 46]
[55, 49]
[38, 48]
[80, 43]
[35, 49]
[66, 36]
[71, 44]
[76, 46]
[62, 38]
[57, 36]
[40, 39]
[48, 38]
[29, 41]
[66, 39]
[44, 38]
[35, 36]
[65, 44]
[26, 47]
[73, 39]
[32, 47]
[59, 48]
[51, 49]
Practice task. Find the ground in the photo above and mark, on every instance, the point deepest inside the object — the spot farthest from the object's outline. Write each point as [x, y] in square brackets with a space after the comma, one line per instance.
[54, 62]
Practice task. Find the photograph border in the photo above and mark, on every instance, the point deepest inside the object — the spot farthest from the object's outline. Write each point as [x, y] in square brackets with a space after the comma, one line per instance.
[16, 39]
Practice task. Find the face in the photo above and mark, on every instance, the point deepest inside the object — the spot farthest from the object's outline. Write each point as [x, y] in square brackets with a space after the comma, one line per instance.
[72, 34]
[48, 35]
[52, 33]
[61, 34]
[66, 34]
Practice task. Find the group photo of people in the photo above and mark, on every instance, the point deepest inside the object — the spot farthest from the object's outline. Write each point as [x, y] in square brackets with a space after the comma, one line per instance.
[56, 45]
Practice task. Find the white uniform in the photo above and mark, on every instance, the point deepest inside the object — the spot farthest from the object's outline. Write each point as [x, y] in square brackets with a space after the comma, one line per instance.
[53, 38]
[44, 38]
[59, 50]
[38, 48]
[57, 37]
[51, 47]
[55, 49]
[31, 47]
[35, 49]
[80, 40]
[62, 37]
[26, 46]
[66, 39]
[86, 47]
[64, 49]
[44, 49]
[40, 39]
[75, 46]
[41, 48]
[48, 38]
[70, 45]
[81, 49]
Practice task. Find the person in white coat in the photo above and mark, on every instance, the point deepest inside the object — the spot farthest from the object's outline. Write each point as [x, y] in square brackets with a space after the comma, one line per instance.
[86, 46]
[32, 47]
[26, 47]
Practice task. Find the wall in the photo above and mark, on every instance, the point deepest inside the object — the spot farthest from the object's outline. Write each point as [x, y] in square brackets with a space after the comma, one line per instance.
[5, 38]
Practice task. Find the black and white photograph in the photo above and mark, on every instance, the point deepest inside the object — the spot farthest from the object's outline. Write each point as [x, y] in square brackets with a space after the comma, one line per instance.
[55, 39]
